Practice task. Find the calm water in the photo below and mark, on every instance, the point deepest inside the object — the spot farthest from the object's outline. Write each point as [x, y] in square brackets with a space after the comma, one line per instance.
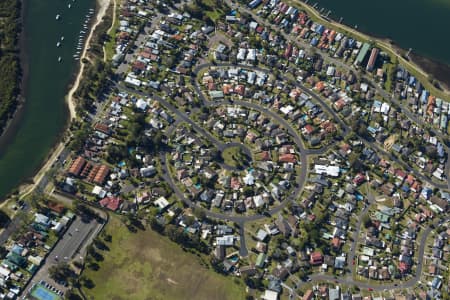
[419, 24]
[45, 114]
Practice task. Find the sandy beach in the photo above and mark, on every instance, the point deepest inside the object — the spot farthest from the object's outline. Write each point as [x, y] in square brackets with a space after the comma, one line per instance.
[102, 7]
[56, 151]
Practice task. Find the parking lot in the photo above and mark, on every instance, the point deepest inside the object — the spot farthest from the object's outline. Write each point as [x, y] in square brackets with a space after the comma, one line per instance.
[70, 247]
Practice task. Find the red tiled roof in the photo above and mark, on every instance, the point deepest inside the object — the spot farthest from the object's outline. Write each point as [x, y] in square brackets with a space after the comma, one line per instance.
[288, 157]
[112, 203]
[316, 258]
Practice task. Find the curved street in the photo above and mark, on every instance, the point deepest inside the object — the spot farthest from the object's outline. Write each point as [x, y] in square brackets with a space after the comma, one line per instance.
[240, 220]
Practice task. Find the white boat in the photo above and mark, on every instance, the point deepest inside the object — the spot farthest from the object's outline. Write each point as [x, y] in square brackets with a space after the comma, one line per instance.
[62, 38]
[59, 59]
[58, 44]
[69, 5]
[57, 17]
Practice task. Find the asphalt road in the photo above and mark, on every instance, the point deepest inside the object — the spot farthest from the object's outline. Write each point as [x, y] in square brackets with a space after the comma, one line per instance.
[294, 39]
[303, 154]
[239, 219]
[411, 283]
[345, 128]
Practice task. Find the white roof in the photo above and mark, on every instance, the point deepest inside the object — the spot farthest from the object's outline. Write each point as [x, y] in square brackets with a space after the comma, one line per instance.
[249, 179]
[40, 218]
[141, 104]
[258, 200]
[384, 108]
[226, 240]
[270, 295]
[133, 81]
[161, 202]
[332, 171]
[96, 190]
[287, 109]
[4, 272]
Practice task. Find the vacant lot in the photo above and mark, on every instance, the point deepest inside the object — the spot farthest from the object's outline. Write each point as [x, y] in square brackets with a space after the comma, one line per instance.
[145, 265]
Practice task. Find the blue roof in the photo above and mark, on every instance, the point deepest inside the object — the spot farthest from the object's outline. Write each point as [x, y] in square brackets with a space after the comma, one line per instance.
[17, 249]
[371, 129]
[436, 282]
[424, 96]
[320, 29]
[351, 43]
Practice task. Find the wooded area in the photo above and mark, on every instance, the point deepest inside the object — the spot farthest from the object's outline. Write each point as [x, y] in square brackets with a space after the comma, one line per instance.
[9, 58]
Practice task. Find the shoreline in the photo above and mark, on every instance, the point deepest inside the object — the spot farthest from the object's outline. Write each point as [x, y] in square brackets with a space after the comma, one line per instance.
[24, 188]
[425, 64]
[10, 129]
[385, 44]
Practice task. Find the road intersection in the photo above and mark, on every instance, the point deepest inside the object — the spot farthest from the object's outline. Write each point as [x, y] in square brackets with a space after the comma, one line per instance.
[240, 220]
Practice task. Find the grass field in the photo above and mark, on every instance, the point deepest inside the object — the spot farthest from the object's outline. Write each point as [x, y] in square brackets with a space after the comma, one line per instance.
[233, 156]
[145, 265]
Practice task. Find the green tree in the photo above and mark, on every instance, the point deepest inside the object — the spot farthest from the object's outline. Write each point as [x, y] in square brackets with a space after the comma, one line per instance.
[4, 219]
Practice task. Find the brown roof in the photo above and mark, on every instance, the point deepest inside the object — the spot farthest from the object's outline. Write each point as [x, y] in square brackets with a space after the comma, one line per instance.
[77, 166]
[316, 258]
[308, 295]
[100, 177]
[93, 172]
[56, 207]
[86, 170]
[443, 204]
[102, 128]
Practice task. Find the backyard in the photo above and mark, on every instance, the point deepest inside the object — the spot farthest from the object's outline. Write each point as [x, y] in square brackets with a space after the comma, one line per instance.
[146, 265]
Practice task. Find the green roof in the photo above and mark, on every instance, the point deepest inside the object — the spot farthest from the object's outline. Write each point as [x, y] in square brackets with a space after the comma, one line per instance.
[12, 266]
[260, 260]
[32, 268]
[16, 259]
[362, 53]
[381, 217]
